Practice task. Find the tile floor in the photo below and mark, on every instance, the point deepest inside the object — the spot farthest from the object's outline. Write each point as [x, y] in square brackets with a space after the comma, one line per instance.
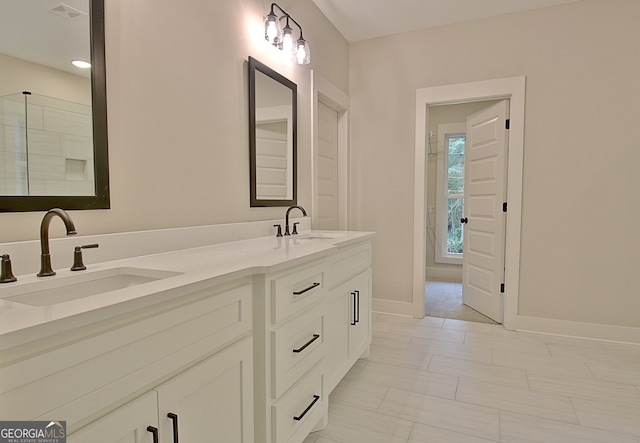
[442, 380]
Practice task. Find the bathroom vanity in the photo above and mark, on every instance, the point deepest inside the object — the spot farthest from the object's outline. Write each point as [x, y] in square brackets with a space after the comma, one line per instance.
[233, 342]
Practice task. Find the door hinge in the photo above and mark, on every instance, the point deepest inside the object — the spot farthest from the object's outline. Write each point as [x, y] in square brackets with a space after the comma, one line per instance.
[507, 123]
[502, 288]
[504, 206]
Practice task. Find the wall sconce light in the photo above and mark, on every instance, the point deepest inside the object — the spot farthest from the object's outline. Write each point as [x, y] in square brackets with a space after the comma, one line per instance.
[282, 37]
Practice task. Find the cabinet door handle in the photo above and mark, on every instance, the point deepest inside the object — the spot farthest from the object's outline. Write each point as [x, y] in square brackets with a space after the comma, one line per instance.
[315, 285]
[355, 308]
[302, 348]
[315, 399]
[174, 418]
[153, 431]
[357, 315]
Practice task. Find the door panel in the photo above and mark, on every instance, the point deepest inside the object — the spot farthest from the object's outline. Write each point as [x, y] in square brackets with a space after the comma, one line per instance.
[127, 424]
[271, 160]
[213, 401]
[327, 186]
[485, 191]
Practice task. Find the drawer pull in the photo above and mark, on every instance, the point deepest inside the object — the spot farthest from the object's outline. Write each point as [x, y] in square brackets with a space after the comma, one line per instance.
[315, 399]
[153, 431]
[315, 285]
[174, 418]
[355, 308]
[302, 348]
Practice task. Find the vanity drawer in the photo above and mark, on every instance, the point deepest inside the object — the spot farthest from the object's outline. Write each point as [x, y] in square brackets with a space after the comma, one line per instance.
[295, 291]
[299, 410]
[297, 348]
[348, 263]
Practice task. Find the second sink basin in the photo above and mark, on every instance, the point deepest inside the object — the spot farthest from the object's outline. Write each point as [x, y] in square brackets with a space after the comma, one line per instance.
[317, 236]
[53, 290]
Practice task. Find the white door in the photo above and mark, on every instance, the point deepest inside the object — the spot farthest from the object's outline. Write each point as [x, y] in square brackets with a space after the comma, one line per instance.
[131, 423]
[485, 192]
[211, 402]
[272, 166]
[327, 186]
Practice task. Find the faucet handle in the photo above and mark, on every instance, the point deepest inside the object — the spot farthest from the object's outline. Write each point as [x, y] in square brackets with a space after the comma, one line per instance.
[6, 275]
[77, 257]
[279, 234]
[295, 228]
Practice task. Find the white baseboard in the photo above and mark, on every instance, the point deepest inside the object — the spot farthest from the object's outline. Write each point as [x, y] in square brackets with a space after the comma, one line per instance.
[444, 274]
[576, 329]
[536, 325]
[392, 307]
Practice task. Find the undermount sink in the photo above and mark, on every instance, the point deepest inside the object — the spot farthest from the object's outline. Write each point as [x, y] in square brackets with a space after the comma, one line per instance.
[318, 237]
[54, 290]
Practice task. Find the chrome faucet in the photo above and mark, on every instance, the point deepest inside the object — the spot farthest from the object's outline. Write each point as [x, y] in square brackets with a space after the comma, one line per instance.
[45, 258]
[286, 218]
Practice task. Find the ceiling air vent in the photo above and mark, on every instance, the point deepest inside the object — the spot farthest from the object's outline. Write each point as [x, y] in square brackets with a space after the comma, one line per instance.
[68, 12]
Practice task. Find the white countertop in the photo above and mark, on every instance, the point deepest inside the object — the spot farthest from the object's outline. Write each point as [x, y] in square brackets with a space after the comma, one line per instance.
[199, 268]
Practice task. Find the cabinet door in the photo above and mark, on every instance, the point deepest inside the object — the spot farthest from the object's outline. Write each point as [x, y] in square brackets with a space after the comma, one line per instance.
[360, 315]
[348, 331]
[336, 336]
[213, 401]
[127, 424]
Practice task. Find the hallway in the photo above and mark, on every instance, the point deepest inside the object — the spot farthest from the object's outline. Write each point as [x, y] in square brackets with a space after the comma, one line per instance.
[444, 300]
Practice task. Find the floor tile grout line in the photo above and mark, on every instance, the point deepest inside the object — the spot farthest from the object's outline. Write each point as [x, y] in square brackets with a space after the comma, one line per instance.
[400, 416]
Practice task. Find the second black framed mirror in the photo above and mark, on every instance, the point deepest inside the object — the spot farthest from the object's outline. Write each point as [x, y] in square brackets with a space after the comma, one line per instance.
[272, 137]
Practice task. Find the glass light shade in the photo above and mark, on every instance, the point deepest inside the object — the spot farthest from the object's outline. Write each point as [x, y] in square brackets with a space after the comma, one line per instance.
[271, 29]
[302, 54]
[287, 40]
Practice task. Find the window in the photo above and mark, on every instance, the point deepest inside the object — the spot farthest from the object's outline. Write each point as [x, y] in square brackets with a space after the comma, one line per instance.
[450, 193]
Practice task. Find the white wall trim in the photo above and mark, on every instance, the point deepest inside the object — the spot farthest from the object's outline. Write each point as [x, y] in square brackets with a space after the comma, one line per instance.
[393, 307]
[327, 93]
[568, 328]
[512, 88]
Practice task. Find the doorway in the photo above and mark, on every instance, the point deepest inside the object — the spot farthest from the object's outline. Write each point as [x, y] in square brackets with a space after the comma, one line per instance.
[508, 88]
[330, 168]
[443, 299]
[461, 161]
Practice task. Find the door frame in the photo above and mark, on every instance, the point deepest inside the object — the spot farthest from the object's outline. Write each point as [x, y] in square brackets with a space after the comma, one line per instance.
[513, 89]
[325, 92]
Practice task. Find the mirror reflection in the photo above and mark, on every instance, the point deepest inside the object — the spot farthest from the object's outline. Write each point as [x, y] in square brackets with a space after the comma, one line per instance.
[273, 130]
[47, 148]
[53, 143]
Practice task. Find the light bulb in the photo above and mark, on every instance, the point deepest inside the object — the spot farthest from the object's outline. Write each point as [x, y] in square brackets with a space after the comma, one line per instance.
[81, 64]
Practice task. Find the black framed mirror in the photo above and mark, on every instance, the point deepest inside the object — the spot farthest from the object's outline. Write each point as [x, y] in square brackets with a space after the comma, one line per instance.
[272, 137]
[96, 164]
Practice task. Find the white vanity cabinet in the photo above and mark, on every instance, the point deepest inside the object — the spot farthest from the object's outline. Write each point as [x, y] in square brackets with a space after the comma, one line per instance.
[209, 401]
[191, 355]
[289, 353]
[316, 320]
[244, 345]
[348, 311]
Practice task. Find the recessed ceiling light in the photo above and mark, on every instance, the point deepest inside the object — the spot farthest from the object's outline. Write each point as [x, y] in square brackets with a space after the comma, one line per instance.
[81, 64]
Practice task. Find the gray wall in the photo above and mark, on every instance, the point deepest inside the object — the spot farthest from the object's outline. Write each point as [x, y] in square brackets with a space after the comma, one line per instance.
[579, 246]
[177, 92]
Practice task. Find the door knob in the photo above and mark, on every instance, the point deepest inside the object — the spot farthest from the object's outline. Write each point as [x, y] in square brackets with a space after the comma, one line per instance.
[464, 220]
